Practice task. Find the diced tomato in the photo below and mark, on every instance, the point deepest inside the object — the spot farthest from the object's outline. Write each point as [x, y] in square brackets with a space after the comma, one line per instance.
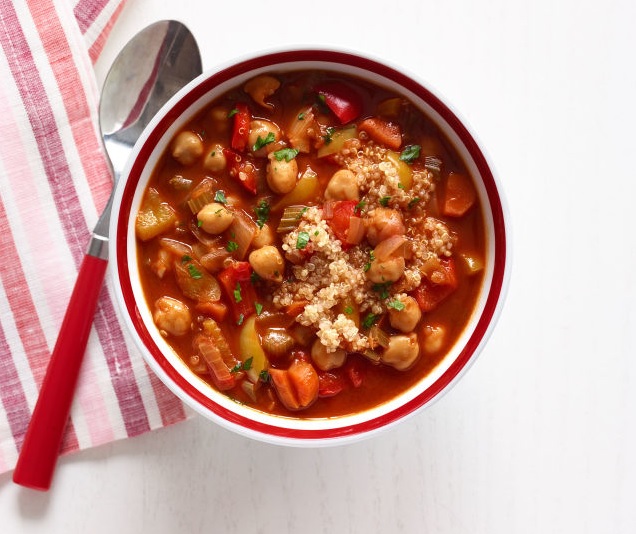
[354, 372]
[342, 211]
[459, 195]
[428, 295]
[341, 99]
[241, 130]
[330, 384]
[237, 285]
[241, 169]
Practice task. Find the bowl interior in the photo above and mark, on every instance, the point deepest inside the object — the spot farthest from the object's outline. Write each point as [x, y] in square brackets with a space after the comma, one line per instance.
[171, 369]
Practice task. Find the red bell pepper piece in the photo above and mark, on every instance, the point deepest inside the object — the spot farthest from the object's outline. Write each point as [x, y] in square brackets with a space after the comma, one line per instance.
[241, 169]
[241, 130]
[236, 281]
[344, 101]
[428, 295]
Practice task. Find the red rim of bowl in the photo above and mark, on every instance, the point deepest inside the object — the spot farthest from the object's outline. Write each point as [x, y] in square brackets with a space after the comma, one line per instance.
[194, 397]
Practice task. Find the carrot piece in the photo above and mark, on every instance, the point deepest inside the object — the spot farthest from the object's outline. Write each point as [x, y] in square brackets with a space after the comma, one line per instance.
[459, 195]
[216, 310]
[383, 132]
[284, 389]
[304, 378]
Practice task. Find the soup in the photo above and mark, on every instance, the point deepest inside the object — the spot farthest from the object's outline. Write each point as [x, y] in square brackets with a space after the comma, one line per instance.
[310, 244]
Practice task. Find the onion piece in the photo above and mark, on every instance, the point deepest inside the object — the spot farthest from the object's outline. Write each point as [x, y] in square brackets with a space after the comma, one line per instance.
[202, 236]
[302, 129]
[177, 248]
[219, 371]
[391, 247]
[214, 260]
[242, 230]
[195, 282]
[327, 210]
[355, 234]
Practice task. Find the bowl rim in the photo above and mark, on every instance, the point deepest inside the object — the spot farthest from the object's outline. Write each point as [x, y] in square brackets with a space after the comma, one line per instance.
[277, 431]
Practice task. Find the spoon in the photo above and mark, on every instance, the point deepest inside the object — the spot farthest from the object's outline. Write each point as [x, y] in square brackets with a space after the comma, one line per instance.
[152, 67]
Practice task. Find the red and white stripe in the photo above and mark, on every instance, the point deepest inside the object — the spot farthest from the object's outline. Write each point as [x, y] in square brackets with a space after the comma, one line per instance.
[54, 180]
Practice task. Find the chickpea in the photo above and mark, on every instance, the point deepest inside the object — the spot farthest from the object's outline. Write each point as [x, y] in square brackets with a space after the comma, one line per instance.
[215, 161]
[218, 119]
[281, 175]
[434, 338]
[343, 185]
[405, 319]
[215, 218]
[402, 351]
[389, 270]
[262, 128]
[172, 316]
[264, 236]
[260, 88]
[268, 263]
[327, 360]
[382, 223]
[187, 147]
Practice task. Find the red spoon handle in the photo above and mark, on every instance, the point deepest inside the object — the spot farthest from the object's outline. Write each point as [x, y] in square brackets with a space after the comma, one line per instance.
[41, 446]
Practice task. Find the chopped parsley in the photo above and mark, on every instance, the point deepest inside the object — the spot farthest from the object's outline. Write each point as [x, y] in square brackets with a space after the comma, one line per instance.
[262, 213]
[302, 240]
[413, 202]
[301, 213]
[384, 201]
[286, 154]
[330, 131]
[237, 293]
[301, 116]
[260, 142]
[243, 366]
[259, 308]
[240, 319]
[396, 305]
[194, 272]
[348, 310]
[232, 112]
[367, 265]
[382, 289]
[231, 246]
[369, 320]
[359, 207]
[254, 277]
[185, 258]
[219, 197]
[400, 185]
[199, 223]
[410, 153]
[264, 376]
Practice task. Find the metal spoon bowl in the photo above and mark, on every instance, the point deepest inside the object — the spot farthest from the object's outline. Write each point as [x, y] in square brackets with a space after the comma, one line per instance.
[152, 67]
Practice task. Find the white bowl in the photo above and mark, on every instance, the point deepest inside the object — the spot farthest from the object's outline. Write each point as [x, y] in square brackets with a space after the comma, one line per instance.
[170, 368]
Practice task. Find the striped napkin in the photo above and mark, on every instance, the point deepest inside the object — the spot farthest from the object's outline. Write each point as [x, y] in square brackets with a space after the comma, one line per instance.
[54, 181]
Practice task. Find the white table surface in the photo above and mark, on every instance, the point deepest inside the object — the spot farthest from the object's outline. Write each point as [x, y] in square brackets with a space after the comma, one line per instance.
[540, 434]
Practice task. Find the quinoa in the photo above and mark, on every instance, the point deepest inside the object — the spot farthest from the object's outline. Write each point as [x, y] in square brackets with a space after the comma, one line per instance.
[331, 279]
